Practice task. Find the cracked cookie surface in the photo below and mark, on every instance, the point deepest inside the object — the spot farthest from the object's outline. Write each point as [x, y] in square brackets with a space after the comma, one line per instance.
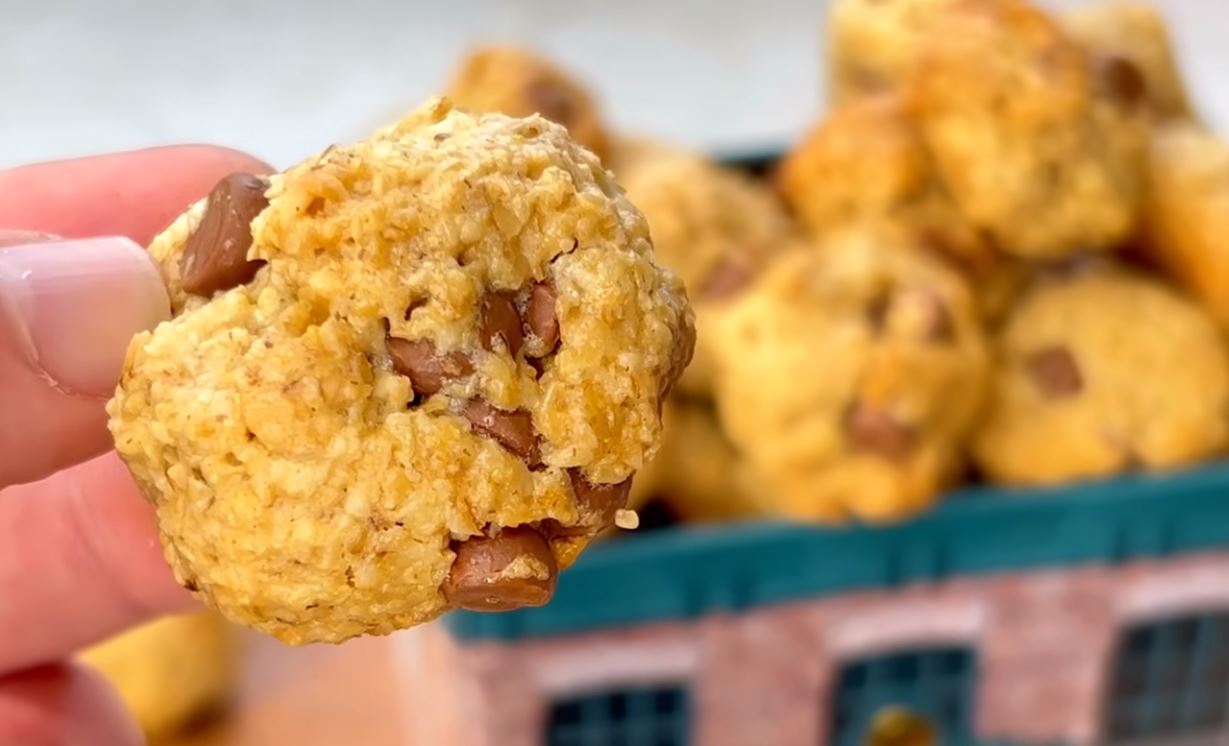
[453, 330]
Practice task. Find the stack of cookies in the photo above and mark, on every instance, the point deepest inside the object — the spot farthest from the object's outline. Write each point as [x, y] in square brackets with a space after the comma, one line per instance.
[1002, 255]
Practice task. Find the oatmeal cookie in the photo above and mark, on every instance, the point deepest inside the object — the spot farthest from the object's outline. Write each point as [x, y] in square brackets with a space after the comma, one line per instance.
[1040, 144]
[703, 477]
[1186, 212]
[715, 227]
[409, 374]
[1103, 371]
[1135, 32]
[851, 375]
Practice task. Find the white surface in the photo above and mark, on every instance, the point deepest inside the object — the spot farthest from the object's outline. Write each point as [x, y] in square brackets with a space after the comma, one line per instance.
[280, 78]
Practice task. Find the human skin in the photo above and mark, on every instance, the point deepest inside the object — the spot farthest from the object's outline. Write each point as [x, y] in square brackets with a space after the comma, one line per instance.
[81, 559]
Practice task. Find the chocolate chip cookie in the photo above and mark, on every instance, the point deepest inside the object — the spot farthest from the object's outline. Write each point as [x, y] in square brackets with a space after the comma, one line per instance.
[409, 374]
[703, 477]
[867, 161]
[713, 226]
[1040, 144]
[1135, 32]
[1104, 371]
[851, 374]
[516, 82]
[170, 671]
[873, 45]
[1186, 212]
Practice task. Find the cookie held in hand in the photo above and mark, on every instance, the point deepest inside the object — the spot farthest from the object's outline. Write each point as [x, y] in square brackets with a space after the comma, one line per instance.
[410, 374]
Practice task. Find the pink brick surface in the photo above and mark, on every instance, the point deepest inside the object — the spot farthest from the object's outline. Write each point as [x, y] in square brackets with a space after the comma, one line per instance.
[1045, 642]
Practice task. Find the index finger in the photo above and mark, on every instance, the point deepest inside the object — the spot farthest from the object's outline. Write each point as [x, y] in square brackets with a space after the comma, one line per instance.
[134, 194]
[48, 426]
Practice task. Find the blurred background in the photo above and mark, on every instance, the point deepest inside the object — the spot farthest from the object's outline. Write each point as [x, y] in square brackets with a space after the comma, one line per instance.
[277, 79]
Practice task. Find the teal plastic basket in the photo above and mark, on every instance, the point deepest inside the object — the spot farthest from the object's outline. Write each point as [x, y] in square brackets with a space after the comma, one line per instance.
[688, 572]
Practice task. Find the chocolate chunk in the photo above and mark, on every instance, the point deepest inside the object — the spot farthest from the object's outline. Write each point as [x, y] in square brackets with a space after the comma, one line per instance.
[215, 256]
[878, 432]
[551, 101]
[1119, 80]
[512, 429]
[726, 279]
[501, 321]
[427, 370]
[415, 304]
[877, 312]
[596, 504]
[866, 81]
[540, 316]
[512, 570]
[1055, 372]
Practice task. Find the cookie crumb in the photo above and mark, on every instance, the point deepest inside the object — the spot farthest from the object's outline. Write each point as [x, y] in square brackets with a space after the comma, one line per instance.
[628, 520]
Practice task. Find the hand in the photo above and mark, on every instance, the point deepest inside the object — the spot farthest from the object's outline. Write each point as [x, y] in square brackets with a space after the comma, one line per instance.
[79, 555]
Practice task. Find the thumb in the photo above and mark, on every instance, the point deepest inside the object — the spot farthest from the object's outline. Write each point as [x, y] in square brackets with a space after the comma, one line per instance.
[68, 309]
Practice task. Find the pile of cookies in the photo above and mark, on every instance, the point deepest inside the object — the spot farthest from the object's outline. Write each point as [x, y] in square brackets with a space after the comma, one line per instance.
[1002, 255]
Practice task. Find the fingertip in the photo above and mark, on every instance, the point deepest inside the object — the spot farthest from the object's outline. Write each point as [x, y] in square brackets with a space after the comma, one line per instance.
[68, 310]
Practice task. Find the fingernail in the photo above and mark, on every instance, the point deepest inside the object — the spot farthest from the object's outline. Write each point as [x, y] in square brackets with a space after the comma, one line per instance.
[72, 306]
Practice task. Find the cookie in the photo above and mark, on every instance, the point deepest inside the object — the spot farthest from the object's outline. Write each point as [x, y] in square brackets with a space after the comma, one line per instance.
[867, 161]
[1104, 371]
[170, 672]
[409, 374]
[703, 477]
[516, 82]
[628, 153]
[1137, 33]
[1040, 144]
[851, 374]
[873, 45]
[1186, 212]
[715, 227]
